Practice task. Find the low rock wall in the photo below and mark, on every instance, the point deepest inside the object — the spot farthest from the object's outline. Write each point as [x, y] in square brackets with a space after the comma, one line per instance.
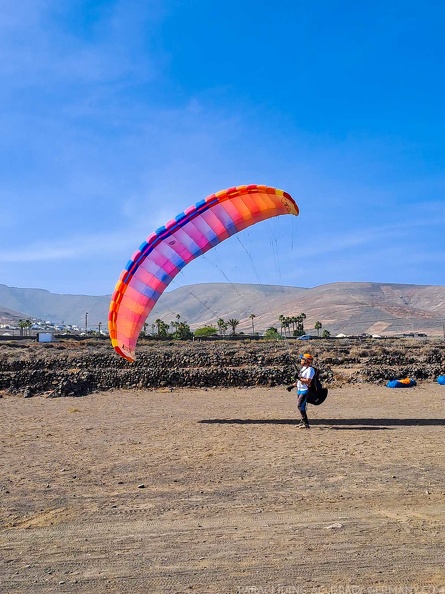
[69, 368]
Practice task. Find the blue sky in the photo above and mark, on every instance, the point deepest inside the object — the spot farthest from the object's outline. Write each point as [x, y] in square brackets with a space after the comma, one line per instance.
[115, 115]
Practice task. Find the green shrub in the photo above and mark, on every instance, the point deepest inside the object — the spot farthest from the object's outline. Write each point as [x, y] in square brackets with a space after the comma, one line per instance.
[205, 331]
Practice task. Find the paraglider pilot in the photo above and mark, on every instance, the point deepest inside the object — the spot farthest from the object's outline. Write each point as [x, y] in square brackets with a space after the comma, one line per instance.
[303, 384]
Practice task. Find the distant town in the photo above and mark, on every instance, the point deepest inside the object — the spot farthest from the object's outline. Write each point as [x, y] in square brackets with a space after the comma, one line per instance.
[32, 327]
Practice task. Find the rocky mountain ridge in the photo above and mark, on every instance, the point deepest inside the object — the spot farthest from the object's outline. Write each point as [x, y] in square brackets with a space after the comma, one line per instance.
[350, 308]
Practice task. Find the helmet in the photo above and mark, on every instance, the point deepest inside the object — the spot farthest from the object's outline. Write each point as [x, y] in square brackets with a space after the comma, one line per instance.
[307, 356]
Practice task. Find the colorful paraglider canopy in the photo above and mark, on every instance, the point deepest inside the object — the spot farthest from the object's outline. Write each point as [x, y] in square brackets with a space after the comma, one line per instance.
[401, 383]
[441, 380]
[166, 251]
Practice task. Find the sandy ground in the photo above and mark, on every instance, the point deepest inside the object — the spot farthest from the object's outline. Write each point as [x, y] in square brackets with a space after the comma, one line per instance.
[218, 491]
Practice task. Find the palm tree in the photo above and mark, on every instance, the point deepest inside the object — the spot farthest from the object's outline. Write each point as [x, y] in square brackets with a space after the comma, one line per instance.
[158, 323]
[251, 316]
[318, 327]
[162, 328]
[175, 324]
[300, 324]
[22, 326]
[286, 323]
[281, 319]
[222, 326]
[182, 331]
[233, 323]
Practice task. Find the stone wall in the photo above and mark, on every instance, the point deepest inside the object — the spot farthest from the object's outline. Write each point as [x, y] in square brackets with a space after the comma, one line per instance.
[70, 368]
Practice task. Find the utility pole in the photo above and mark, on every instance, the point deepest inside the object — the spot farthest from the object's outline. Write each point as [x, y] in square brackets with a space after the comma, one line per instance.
[86, 322]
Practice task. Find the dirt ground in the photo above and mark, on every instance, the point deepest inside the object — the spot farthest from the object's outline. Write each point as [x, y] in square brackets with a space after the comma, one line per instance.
[217, 491]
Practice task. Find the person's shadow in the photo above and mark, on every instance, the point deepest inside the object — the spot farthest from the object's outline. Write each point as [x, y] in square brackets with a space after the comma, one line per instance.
[344, 424]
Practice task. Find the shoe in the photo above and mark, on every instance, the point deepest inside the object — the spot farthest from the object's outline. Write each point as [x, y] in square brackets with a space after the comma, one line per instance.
[303, 425]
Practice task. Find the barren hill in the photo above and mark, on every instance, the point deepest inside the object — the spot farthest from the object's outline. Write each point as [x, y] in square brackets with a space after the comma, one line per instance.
[9, 316]
[350, 308]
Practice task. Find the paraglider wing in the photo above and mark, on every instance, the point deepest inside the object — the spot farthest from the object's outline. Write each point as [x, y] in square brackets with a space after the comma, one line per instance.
[401, 383]
[170, 248]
